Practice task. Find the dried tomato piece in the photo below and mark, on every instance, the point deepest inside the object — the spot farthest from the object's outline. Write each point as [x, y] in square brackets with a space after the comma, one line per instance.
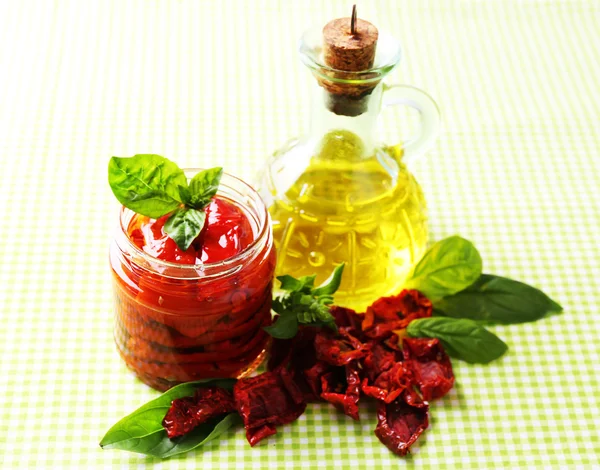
[430, 365]
[383, 310]
[379, 358]
[297, 353]
[393, 342]
[180, 419]
[280, 353]
[347, 318]
[395, 312]
[255, 435]
[415, 303]
[341, 387]
[351, 339]
[188, 412]
[313, 379]
[299, 357]
[267, 400]
[338, 351]
[390, 384]
[412, 397]
[399, 423]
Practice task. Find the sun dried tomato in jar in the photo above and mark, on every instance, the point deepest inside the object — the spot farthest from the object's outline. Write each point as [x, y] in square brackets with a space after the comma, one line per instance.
[199, 313]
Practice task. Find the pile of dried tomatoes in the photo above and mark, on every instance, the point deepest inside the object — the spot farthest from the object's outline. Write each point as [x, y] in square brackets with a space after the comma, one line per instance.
[365, 357]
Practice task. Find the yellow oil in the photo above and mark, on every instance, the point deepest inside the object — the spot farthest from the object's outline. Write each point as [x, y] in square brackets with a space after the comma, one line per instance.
[367, 211]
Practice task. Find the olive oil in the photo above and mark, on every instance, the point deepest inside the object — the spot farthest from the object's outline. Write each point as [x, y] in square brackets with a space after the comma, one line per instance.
[336, 194]
[367, 211]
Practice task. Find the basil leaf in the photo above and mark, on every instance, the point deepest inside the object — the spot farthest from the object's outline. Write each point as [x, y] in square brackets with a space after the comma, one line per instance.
[184, 225]
[146, 184]
[289, 283]
[496, 299]
[285, 327]
[204, 433]
[303, 304]
[203, 187]
[553, 306]
[462, 339]
[184, 194]
[199, 436]
[142, 431]
[158, 444]
[332, 284]
[308, 281]
[448, 267]
[277, 305]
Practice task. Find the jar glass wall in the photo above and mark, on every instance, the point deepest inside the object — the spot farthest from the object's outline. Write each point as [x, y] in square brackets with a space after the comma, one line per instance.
[180, 322]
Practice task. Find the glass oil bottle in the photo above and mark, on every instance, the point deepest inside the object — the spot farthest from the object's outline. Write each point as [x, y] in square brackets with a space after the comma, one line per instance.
[337, 194]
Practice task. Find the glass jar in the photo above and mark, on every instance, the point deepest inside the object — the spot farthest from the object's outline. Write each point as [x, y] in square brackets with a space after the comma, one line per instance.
[337, 193]
[181, 322]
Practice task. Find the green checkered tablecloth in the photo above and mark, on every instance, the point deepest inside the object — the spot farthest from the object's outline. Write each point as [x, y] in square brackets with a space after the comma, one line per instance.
[516, 170]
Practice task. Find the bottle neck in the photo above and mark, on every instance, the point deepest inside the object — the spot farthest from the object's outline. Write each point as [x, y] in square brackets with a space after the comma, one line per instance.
[324, 120]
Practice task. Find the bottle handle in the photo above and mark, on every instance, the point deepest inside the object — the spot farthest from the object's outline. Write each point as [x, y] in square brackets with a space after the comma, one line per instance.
[429, 122]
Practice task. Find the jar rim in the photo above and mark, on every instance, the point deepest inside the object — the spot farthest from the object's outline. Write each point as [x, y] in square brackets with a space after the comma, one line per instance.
[259, 211]
[387, 55]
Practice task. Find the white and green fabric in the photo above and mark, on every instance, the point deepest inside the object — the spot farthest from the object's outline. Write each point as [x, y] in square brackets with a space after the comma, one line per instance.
[516, 170]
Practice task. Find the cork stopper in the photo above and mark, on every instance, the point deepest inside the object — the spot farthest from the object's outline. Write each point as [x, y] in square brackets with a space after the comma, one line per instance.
[349, 45]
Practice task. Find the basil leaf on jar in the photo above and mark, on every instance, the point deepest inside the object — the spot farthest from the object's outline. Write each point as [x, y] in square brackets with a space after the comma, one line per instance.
[184, 225]
[203, 187]
[147, 184]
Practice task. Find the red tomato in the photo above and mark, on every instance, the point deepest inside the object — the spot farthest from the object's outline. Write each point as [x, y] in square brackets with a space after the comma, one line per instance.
[226, 232]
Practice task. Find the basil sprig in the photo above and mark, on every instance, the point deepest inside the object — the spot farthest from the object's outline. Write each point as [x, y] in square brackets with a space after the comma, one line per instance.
[450, 274]
[462, 339]
[448, 267]
[494, 299]
[142, 431]
[154, 186]
[304, 304]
